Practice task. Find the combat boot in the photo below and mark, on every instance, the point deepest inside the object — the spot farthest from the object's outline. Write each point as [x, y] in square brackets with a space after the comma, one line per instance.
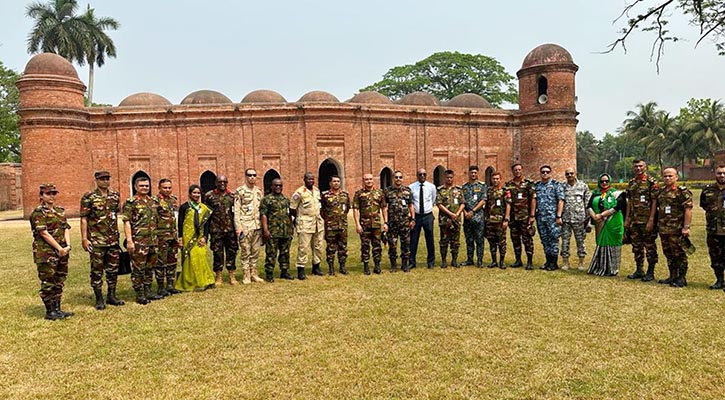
[469, 260]
[268, 276]
[394, 264]
[254, 274]
[50, 313]
[112, 299]
[170, 289]
[517, 263]
[316, 270]
[377, 269]
[494, 262]
[148, 294]
[301, 273]
[637, 274]
[479, 263]
[718, 279]
[343, 270]
[284, 274]
[565, 263]
[454, 260]
[444, 255]
[547, 264]
[650, 275]
[246, 276]
[100, 305]
[366, 268]
[59, 310]
[580, 267]
[140, 298]
[331, 268]
[529, 262]
[669, 278]
[681, 280]
[218, 279]
[404, 265]
[161, 288]
[554, 263]
[500, 261]
[232, 277]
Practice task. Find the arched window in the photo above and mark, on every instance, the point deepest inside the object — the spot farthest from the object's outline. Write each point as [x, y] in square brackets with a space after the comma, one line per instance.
[269, 176]
[386, 178]
[207, 181]
[439, 175]
[138, 174]
[542, 85]
[328, 168]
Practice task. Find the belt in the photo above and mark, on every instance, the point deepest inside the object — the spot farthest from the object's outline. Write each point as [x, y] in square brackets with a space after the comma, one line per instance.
[423, 215]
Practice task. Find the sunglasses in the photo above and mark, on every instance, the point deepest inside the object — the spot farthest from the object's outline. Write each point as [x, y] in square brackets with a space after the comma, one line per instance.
[398, 177]
[545, 172]
[280, 185]
[252, 175]
[604, 181]
[568, 173]
[223, 181]
[421, 174]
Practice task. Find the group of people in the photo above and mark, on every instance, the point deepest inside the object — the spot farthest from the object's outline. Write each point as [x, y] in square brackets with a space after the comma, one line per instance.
[228, 222]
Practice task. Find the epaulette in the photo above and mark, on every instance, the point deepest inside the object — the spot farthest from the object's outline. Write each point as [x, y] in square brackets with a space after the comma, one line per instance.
[682, 187]
[325, 192]
[441, 187]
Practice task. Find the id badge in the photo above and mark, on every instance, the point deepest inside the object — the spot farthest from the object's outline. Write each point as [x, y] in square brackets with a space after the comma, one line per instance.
[249, 208]
[520, 196]
[668, 210]
[498, 202]
[402, 201]
[455, 201]
[642, 199]
[344, 207]
[475, 197]
[113, 216]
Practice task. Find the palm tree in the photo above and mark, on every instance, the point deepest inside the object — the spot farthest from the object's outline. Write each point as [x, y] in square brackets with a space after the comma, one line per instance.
[708, 130]
[57, 30]
[98, 43]
[641, 124]
[658, 137]
[681, 146]
[586, 152]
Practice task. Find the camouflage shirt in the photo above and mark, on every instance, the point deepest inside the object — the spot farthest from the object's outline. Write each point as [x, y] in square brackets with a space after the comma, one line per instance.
[246, 208]
[335, 207]
[671, 204]
[576, 198]
[522, 194]
[712, 200]
[398, 200]
[276, 208]
[143, 214]
[450, 198]
[496, 201]
[101, 213]
[166, 225]
[548, 195]
[51, 219]
[370, 203]
[222, 208]
[472, 195]
[640, 195]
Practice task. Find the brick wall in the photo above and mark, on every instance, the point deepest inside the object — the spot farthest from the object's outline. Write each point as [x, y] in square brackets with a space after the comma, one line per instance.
[11, 192]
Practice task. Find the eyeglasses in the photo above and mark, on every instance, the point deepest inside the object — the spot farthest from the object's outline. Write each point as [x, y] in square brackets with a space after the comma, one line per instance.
[252, 175]
[545, 172]
[604, 181]
[398, 177]
[568, 173]
[277, 184]
[423, 174]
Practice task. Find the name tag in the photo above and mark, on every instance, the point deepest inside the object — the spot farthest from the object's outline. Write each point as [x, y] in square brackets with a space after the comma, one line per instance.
[475, 197]
[113, 216]
[344, 207]
[249, 208]
[402, 201]
[642, 199]
[498, 202]
[668, 210]
[455, 201]
[520, 196]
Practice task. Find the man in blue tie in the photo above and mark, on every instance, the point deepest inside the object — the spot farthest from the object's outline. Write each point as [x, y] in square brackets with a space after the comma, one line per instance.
[424, 196]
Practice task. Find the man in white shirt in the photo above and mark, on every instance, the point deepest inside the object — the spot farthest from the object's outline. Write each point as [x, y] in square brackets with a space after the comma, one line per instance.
[424, 197]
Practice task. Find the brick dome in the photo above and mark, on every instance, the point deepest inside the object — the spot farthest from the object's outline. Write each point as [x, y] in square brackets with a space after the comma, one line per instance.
[205, 97]
[419, 99]
[547, 54]
[144, 99]
[263, 96]
[468, 100]
[50, 64]
[318, 96]
[370, 98]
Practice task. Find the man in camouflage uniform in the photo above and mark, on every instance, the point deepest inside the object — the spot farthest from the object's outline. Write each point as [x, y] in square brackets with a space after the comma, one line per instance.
[674, 205]
[401, 219]
[639, 220]
[166, 231]
[449, 200]
[549, 207]
[334, 210]
[277, 230]
[523, 207]
[140, 218]
[712, 200]
[474, 196]
[99, 237]
[305, 208]
[223, 239]
[574, 219]
[51, 249]
[248, 226]
[368, 204]
[498, 210]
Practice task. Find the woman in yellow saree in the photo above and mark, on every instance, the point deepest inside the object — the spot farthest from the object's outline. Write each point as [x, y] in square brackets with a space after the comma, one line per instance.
[193, 230]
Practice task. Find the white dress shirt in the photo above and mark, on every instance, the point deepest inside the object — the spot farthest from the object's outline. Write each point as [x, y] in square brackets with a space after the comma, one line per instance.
[429, 196]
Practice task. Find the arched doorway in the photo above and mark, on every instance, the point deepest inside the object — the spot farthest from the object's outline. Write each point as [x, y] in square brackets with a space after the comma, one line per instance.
[139, 174]
[386, 178]
[439, 175]
[328, 168]
[269, 176]
[207, 181]
[489, 172]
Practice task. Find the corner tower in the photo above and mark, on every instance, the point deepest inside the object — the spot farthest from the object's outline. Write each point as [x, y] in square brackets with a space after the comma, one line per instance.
[547, 110]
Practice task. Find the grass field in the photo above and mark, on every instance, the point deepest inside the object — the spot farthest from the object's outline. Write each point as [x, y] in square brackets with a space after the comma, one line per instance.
[454, 333]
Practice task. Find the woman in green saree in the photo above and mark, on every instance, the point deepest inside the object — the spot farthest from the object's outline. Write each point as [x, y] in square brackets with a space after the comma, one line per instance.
[606, 208]
[193, 230]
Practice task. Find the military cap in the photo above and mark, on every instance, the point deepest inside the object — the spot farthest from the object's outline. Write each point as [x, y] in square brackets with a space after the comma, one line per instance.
[102, 174]
[48, 187]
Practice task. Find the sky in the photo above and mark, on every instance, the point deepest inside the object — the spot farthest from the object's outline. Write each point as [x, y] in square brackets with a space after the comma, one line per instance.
[174, 48]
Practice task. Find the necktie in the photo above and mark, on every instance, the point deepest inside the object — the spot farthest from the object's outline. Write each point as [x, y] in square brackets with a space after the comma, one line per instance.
[421, 209]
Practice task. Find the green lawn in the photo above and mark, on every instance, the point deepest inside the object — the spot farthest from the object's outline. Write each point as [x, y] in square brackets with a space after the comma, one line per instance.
[455, 333]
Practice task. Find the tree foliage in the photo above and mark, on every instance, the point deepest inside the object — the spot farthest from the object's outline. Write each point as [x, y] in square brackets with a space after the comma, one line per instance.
[9, 130]
[448, 74]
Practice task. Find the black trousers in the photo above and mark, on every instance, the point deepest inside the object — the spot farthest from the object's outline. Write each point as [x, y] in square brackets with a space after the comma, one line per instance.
[424, 222]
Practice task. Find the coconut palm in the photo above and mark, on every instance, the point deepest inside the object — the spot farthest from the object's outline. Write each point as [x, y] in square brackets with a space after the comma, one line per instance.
[58, 30]
[658, 136]
[99, 44]
[586, 152]
[681, 145]
[708, 129]
[641, 123]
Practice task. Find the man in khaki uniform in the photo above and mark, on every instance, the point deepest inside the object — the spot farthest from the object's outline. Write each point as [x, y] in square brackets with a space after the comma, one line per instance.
[248, 226]
[305, 207]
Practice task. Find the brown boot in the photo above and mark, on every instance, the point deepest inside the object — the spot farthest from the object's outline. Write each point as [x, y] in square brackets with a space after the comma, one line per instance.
[247, 279]
[232, 278]
[565, 263]
[218, 279]
[254, 275]
[581, 264]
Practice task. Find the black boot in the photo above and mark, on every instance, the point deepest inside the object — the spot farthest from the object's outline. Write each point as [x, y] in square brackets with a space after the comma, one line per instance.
[469, 260]
[547, 264]
[553, 262]
[141, 298]
[59, 310]
[444, 255]
[394, 264]
[301, 273]
[343, 270]
[637, 274]
[316, 270]
[170, 289]
[100, 305]
[268, 276]
[161, 288]
[284, 274]
[377, 269]
[112, 299]
[681, 281]
[669, 278]
[494, 262]
[366, 268]
[454, 260]
[404, 265]
[50, 312]
[149, 294]
[517, 263]
[529, 262]
[718, 279]
[650, 275]
[500, 261]
[331, 268]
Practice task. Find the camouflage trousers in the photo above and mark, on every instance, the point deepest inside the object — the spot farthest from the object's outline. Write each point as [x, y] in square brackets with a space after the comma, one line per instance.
[643, 242]
[716, 248]
[166, 260]
[371, 237]
[309, 243]
[549, 233]
[336, 244]
[675, 254]
[580, 233]
[496, 235]
[221, 244]
[520, 234]
[474, 233]
[143, 262]
[105, 259]
[276, 248]
[450, 237]
[52, 273]
[399, 233]
[249, 249]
